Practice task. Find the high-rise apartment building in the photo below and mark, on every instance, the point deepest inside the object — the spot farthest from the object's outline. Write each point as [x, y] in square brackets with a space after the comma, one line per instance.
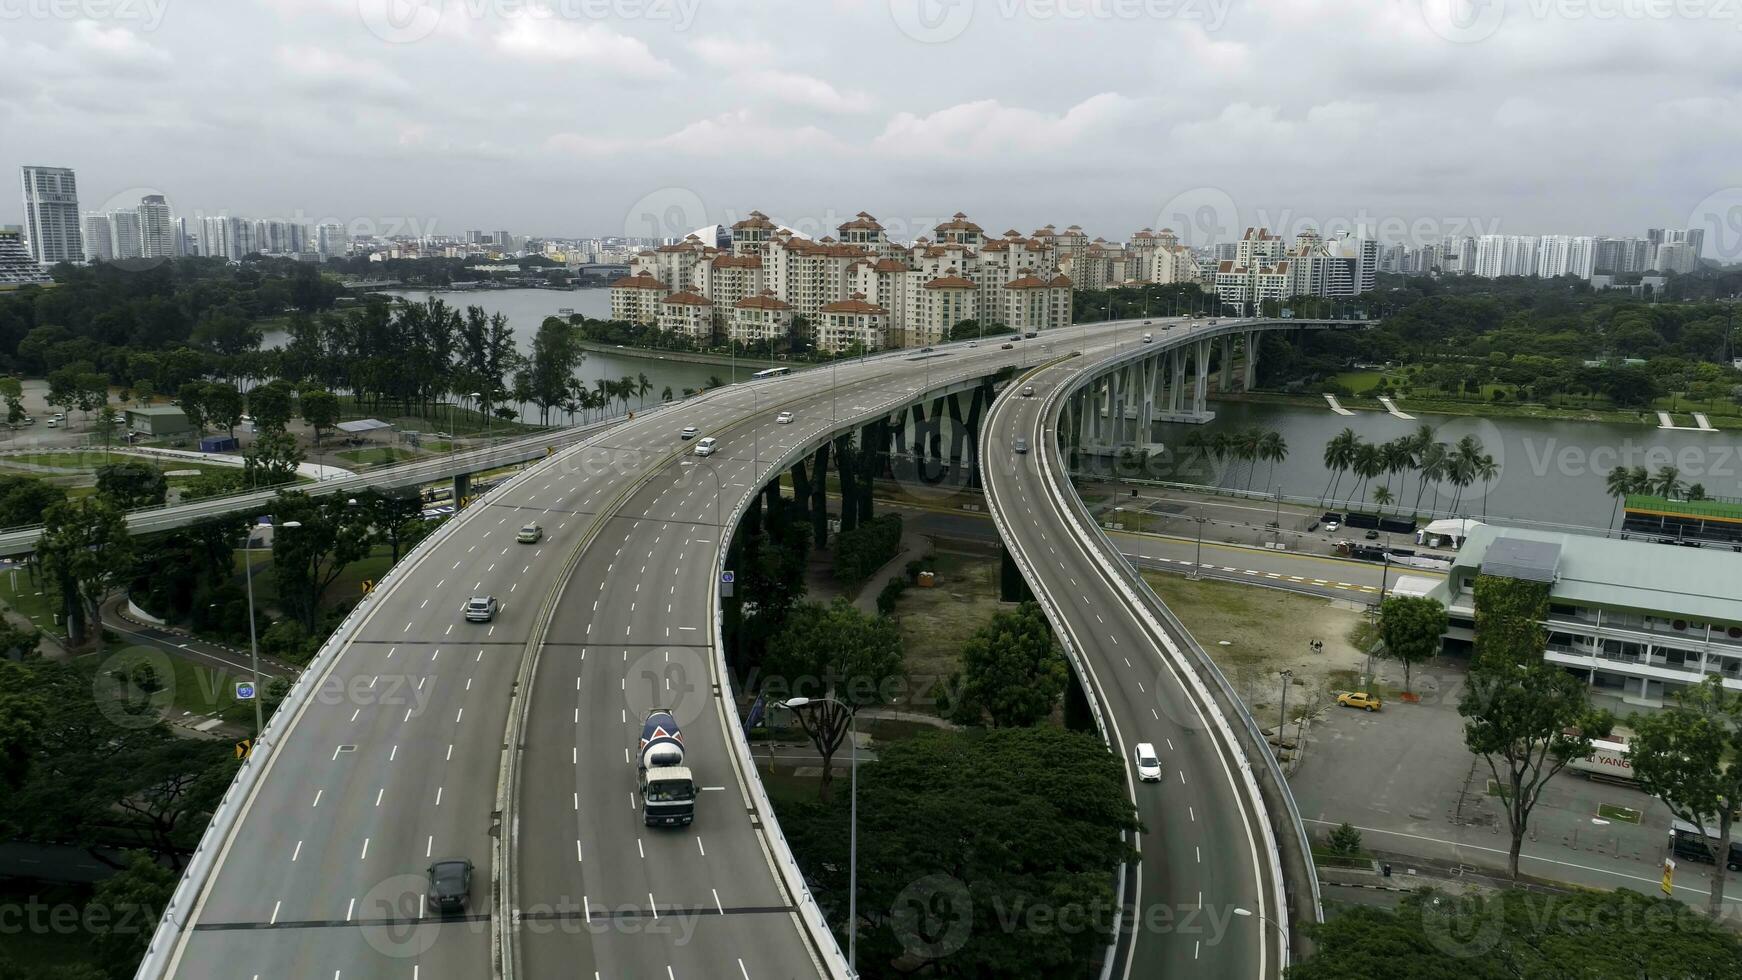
[156, 228]
[1506, 255]
[1566, 255]
[99, 238]
[17, 266]
[124, 225]
[51, 215]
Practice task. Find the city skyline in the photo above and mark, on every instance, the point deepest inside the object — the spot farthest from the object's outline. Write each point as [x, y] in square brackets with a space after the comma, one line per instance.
[678, 114]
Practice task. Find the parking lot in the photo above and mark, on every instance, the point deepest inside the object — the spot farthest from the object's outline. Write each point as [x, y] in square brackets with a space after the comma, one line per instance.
[1404, 777]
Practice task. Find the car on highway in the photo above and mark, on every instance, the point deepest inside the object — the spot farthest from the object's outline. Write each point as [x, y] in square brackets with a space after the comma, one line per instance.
[1149, 338]
[450, 885]
[689, 432]
[480, 609]
[1020, 445]
[530, 533]
[973, 343]
[1360, 699]
[706, 446]
[1032, 334]
[53, 423]
[927, 350]
[784, 418]
[1148, 763]
[1008, 347]
[1028, 391]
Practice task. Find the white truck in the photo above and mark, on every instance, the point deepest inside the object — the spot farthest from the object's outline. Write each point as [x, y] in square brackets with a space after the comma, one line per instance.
[1608, 760]
[668, 794]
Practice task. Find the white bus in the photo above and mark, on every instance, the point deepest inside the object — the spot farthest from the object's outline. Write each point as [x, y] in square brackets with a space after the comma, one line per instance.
[773, 372]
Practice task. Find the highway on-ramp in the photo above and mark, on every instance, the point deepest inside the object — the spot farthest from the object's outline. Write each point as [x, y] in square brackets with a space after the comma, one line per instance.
[1206, 848]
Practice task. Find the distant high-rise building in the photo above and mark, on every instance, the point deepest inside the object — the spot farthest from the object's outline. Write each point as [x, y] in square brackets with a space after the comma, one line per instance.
[51, 215]
[156, 228]
[501, 239]
[124, 225]
[331, 242]
[1680, 257]
[17, 266]
[1506, 255]
[183, 246]
[99, 238]
[1566, 255]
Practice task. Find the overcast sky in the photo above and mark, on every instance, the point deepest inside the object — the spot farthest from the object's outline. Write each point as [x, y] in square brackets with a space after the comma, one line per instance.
[572, 117]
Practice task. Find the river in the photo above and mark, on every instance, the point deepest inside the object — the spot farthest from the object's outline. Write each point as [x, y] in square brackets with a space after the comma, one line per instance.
[1550, 471]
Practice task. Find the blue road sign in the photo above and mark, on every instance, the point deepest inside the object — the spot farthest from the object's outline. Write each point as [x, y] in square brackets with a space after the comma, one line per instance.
[727, 577]
[244, 690]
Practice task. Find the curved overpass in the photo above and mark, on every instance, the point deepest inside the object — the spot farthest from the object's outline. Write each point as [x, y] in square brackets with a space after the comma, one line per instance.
[417, 736]
[1208, 894]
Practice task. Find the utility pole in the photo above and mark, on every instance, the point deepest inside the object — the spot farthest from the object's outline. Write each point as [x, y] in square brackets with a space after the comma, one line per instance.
[1282, 720]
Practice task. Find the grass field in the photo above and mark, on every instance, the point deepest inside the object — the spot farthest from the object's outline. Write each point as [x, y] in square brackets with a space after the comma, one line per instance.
[935, 622]
[376, 455]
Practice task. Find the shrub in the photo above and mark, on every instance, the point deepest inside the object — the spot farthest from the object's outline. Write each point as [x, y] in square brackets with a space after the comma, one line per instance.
[890, 592]
[1345, 840]
[864, 549]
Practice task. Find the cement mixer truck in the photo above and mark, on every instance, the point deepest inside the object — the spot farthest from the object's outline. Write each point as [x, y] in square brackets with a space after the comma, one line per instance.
[668, 795]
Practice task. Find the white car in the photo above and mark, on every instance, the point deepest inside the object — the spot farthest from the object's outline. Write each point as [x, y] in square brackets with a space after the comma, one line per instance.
[1148, 763]
[1330, 526]
[689, 432]
[784, 418]
[706, 446]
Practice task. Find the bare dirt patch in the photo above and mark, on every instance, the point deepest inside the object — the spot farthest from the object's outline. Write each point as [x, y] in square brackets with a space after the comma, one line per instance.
[935, 622]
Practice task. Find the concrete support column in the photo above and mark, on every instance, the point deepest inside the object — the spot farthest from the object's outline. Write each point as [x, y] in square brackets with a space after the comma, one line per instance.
[1080, 407]
[1251, 360]
[462, 489]
[1227, 382]
[820, 497]
[1201, 391]
[1177, 388]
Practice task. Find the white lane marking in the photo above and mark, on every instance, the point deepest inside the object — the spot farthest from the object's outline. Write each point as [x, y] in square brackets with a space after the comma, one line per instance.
[317, 801]
[365, 853]
[296, 853]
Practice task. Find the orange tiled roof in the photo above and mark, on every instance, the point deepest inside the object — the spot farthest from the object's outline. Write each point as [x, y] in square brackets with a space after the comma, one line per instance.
[687, 298]
[641, 280]
[765, 301]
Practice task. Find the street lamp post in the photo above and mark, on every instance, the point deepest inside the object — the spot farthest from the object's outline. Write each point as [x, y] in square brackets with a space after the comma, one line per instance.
[1199, 563]
[792, 704]
[1282, 718]
[1247, 913]
[253, 640]
[1279, 513]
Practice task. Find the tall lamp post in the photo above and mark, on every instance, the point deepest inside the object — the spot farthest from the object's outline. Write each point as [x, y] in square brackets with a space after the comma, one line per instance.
[793, 704]
[253, 640]
[1282, 719]
[1246, 913]
[718, 486]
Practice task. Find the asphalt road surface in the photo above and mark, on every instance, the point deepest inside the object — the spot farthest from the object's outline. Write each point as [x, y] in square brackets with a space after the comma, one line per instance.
[1202, 849]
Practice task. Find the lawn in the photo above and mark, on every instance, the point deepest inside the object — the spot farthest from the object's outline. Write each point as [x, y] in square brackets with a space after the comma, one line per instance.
[935, 622]
[34, 946]
[191, 689]
[376, 455]
[29, 598]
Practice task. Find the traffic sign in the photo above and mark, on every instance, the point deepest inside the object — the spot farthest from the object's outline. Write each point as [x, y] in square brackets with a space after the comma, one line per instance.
[244, 690]
[727, 577]
[244, 748]
[1668, 876]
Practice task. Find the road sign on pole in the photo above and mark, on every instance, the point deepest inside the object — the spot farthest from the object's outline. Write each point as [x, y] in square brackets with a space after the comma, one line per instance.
[1669, 876]
[244, 748]
[726, 580]
[244, 690]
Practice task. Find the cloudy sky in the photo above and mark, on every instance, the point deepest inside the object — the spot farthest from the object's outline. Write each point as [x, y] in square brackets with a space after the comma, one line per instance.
[651, 117]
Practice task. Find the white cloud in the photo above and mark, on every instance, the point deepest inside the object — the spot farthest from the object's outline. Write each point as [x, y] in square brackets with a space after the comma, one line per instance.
[725, 52]
[320, 70]
[116, 50]
[805, 91]
[588, 45]
[987, 126]
[739, 133]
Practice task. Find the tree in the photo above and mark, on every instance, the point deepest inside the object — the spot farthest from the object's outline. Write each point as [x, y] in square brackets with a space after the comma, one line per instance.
[24, 499]
[1273, 449]
[1411, 628]
[320, 409]
[392, 517]
[271, 405]
[1527, 721]
[309, 558]
[84, 551]
[272, 459]
[665, 396]
[1520, 934]
[221, 405]
[132, 901]
[12, 390]
[1667, 482]
[22, 717]
[1381, 497]
[132, 483]
[1686, 756]
[1012, 671]
[958, 832]
[191, 397]
[1619, 483]
[840, 658]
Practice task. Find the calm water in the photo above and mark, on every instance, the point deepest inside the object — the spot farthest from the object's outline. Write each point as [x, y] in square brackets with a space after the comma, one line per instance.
[1550, 471]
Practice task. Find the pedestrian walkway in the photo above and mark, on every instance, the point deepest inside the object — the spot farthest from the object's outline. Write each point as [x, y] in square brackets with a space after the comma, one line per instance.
[1703, 422]
[913, 546]
[1336, 406]
[1391, 407]
[1667, 421]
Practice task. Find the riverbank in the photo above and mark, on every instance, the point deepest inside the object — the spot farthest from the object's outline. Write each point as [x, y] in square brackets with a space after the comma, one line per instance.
[681, 356]
[1416, 405]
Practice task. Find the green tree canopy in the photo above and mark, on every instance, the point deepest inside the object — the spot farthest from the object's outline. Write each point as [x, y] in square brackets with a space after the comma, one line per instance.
[1686, 756]
[320, 409]
[132, 483]
[1509, 615]
[85, 551]
[1411, 628]
[1012, 671]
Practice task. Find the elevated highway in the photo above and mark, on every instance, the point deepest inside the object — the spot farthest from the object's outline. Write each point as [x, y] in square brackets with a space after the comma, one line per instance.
[417, 736]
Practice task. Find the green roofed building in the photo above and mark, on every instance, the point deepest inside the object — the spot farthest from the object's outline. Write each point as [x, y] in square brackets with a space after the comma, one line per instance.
[1717, 519]
[1637, 620]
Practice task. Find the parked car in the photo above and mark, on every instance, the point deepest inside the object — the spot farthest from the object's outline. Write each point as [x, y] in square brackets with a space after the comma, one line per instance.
[706, 446]
[927, 350]
[450, 884]
[530, 533]
[689, 432]
[480, 609]
[1148, 763]
[1371, 535]
[784, 418]
[1331, 526]
[1359, 699]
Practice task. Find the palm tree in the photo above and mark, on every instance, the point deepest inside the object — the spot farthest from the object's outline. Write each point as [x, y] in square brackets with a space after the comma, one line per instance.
[1382, 496]
[1487, 469]
[1462, 470]
[1245, 445]
[1369, 462]
[1434, 462]
[1397, 457]
[1619, 483]
[1419, 441]
[643, 385]
[1667, 483]
[602, 389]
[665, 396]
[1339, 453]
[625, 390]
[1273, 449]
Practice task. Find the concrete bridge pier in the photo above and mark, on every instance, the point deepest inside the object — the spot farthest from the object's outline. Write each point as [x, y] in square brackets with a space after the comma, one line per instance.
[462, 489]
[1227, 380]
[1252, 342]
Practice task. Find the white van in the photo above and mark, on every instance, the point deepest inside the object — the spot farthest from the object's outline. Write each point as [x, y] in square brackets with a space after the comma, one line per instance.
[706, 446]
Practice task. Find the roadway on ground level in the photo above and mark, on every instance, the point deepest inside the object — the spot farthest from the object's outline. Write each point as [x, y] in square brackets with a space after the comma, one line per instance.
[1203, 850]
[394, 759]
